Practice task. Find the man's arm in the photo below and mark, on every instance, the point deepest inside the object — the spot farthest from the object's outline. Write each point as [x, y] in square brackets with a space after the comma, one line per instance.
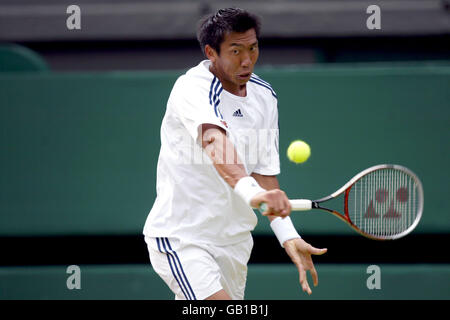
[298, 250]
[225, 159]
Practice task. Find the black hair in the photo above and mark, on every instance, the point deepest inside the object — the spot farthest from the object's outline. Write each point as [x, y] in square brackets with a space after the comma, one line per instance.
[213, 28]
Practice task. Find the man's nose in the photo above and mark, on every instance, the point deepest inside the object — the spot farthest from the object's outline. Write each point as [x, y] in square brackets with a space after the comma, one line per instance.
[246, 61]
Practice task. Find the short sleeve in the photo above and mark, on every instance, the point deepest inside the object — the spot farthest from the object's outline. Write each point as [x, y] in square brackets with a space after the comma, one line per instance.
[190, 101]
[268, 157]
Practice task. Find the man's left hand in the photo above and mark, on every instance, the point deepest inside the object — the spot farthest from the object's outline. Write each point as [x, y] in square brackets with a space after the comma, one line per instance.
[300, 253]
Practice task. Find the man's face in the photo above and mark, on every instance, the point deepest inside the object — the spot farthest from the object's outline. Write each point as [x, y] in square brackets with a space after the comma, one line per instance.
[238, 55]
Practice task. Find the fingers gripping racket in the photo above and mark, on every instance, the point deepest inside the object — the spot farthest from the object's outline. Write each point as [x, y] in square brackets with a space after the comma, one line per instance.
[384, 202]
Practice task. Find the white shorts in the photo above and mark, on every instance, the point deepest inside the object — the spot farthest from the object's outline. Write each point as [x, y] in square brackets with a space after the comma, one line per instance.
[196, 271]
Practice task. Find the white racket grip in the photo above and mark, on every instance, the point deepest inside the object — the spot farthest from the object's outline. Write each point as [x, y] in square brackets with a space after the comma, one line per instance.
[301, 204]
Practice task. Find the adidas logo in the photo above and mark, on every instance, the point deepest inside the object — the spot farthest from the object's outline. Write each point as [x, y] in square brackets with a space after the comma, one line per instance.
[238, 113]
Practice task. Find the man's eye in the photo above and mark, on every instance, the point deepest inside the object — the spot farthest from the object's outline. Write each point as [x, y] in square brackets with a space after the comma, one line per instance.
[235, 51]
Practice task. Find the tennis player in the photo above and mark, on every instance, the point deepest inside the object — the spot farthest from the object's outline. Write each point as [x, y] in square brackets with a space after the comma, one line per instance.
[218, 160]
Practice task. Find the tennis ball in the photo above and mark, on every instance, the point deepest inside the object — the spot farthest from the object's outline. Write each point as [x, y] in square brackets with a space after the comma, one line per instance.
[298, 151]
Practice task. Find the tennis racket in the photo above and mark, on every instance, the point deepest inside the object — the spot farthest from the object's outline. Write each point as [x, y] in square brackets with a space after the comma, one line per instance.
[383, 202]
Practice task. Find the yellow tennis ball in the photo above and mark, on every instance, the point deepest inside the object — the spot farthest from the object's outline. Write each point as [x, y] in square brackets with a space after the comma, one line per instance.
[298, 151]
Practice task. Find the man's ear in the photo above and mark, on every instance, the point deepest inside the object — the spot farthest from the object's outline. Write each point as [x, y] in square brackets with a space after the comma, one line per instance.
[210, 53]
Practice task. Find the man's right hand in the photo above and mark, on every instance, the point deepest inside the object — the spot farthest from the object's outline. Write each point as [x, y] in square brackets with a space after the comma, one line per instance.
[276, 200]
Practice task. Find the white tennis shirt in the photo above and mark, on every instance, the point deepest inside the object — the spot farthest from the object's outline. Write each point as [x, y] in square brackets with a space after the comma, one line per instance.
[193, 202]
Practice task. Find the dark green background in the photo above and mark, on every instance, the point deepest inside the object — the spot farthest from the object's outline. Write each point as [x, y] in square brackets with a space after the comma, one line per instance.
[79, 150]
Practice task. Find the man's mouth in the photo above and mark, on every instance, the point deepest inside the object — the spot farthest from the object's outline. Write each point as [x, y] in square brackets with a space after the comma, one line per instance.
[244, 75]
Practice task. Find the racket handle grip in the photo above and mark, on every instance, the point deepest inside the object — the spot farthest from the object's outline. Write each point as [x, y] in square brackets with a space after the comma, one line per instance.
[297, 205]
[301, 204]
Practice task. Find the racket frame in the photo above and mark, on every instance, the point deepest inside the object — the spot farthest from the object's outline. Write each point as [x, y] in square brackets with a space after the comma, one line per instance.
[302, 204]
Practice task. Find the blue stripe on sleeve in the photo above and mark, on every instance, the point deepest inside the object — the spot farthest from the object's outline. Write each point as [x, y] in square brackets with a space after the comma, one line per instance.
[211, 90]
[261, 83]
[216, 104]
[258, 78]
[214, 92]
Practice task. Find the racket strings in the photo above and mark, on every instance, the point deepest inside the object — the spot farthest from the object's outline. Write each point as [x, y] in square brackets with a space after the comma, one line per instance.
[384, 203]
